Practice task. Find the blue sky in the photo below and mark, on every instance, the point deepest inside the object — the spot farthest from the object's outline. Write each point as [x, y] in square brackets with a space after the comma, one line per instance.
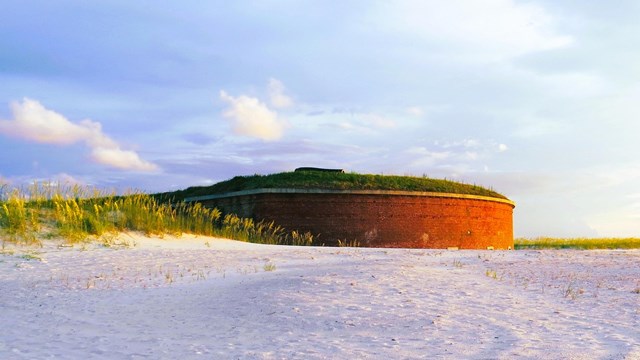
[536, 99]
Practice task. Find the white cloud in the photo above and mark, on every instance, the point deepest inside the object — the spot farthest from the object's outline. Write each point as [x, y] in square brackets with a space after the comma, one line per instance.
[415, 111]
[347, 126]
[61, 179]
[121, 159]
[252, 118]
[363, 124]
[465, 143]
[418, 159]
[471, 155]
[276, 95]
[33, 122]
[470, 143]
[426, 154]
[377, 121]
[459, 156]
[493, 28]
[66, 179]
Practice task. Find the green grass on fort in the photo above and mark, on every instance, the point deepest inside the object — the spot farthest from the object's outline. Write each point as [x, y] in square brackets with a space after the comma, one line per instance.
[336, 181]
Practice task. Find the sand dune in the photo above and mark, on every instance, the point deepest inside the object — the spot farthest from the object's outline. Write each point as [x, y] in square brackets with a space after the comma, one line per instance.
[197, 297]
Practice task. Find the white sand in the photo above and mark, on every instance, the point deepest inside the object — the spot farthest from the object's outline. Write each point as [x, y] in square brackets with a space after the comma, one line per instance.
[220, 299]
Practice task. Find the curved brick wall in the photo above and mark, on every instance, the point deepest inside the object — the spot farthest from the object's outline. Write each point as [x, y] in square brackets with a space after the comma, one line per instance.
[379, 218]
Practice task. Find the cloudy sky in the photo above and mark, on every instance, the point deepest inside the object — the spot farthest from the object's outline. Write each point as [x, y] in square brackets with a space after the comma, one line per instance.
[539, 100]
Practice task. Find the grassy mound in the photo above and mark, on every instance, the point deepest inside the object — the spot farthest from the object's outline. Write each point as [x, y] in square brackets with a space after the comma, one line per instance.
[334, 181]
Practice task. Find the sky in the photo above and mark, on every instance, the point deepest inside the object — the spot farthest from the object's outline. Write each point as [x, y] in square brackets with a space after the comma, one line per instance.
[538, 100]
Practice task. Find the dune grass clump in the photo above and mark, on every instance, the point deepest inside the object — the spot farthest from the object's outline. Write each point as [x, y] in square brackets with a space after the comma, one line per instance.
[18, 221]
[577, 243]
[79, 214]
[245, 229]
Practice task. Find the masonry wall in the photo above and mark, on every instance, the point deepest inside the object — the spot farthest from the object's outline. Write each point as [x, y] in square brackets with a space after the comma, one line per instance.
[383, 219]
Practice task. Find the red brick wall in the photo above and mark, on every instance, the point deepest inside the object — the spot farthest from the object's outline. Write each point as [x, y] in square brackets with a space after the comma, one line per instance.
[380, 220]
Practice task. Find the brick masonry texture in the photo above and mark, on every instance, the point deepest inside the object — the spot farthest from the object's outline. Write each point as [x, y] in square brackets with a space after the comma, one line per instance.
[382, 220]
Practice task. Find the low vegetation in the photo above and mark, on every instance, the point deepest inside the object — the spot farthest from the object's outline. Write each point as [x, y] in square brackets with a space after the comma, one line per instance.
[79, 214]
[577, 243]
[333, 181]
[348, 243]
[492, 274]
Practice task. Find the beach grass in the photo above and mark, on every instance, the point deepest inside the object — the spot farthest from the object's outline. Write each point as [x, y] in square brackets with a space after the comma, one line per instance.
[80, 214]
[577, 243]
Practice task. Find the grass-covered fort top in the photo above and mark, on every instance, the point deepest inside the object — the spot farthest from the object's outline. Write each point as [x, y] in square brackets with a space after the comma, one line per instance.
[336, 180]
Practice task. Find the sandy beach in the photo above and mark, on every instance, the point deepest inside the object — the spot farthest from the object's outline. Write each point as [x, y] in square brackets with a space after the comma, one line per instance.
[197, 297]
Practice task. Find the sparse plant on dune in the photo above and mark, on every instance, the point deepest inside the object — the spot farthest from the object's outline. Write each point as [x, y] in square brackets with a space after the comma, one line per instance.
[492, 274]
[571, 291]
[31, 256]
[346, 243]
[299, 239]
